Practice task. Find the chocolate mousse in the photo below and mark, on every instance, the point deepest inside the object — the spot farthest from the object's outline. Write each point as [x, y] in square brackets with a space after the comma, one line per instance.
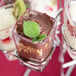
[26, 49]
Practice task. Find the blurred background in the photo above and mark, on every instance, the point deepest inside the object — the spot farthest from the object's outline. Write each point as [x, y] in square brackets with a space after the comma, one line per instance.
[10, 67]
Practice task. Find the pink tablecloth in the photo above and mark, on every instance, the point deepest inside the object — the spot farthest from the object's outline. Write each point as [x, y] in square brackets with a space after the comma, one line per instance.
[14, 68]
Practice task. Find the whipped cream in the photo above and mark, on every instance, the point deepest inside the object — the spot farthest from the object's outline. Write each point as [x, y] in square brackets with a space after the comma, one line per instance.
[7, 20]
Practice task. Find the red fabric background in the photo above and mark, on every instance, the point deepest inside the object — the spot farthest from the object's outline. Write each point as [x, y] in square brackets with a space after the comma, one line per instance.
[14, 68]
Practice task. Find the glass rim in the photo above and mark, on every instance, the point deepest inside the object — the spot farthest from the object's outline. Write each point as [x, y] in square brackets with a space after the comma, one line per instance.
[42, 42]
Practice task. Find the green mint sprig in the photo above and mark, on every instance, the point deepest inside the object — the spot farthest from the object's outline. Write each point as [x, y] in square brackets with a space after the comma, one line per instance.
[31, 29]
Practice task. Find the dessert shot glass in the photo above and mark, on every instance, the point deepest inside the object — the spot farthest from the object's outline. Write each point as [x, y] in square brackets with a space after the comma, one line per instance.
[35, 55]
[7, 20]
[69, 27]
[9, 13]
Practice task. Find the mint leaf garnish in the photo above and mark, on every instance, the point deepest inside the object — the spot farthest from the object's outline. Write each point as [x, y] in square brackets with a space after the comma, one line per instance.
[31, 29]
[39, 38]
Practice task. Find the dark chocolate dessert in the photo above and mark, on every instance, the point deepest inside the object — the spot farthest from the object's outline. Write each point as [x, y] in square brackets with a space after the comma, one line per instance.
[27, 49]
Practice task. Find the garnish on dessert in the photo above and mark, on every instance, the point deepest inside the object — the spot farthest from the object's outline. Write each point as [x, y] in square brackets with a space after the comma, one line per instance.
[31, 29]
[19, 8]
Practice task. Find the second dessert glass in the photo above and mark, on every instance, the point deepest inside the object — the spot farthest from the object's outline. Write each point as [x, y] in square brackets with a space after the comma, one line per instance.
[69, 27]
[6, 41]
[35, 55]
[7, 21]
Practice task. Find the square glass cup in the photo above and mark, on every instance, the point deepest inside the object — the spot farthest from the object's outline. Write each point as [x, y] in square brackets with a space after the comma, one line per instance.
[34, 55]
